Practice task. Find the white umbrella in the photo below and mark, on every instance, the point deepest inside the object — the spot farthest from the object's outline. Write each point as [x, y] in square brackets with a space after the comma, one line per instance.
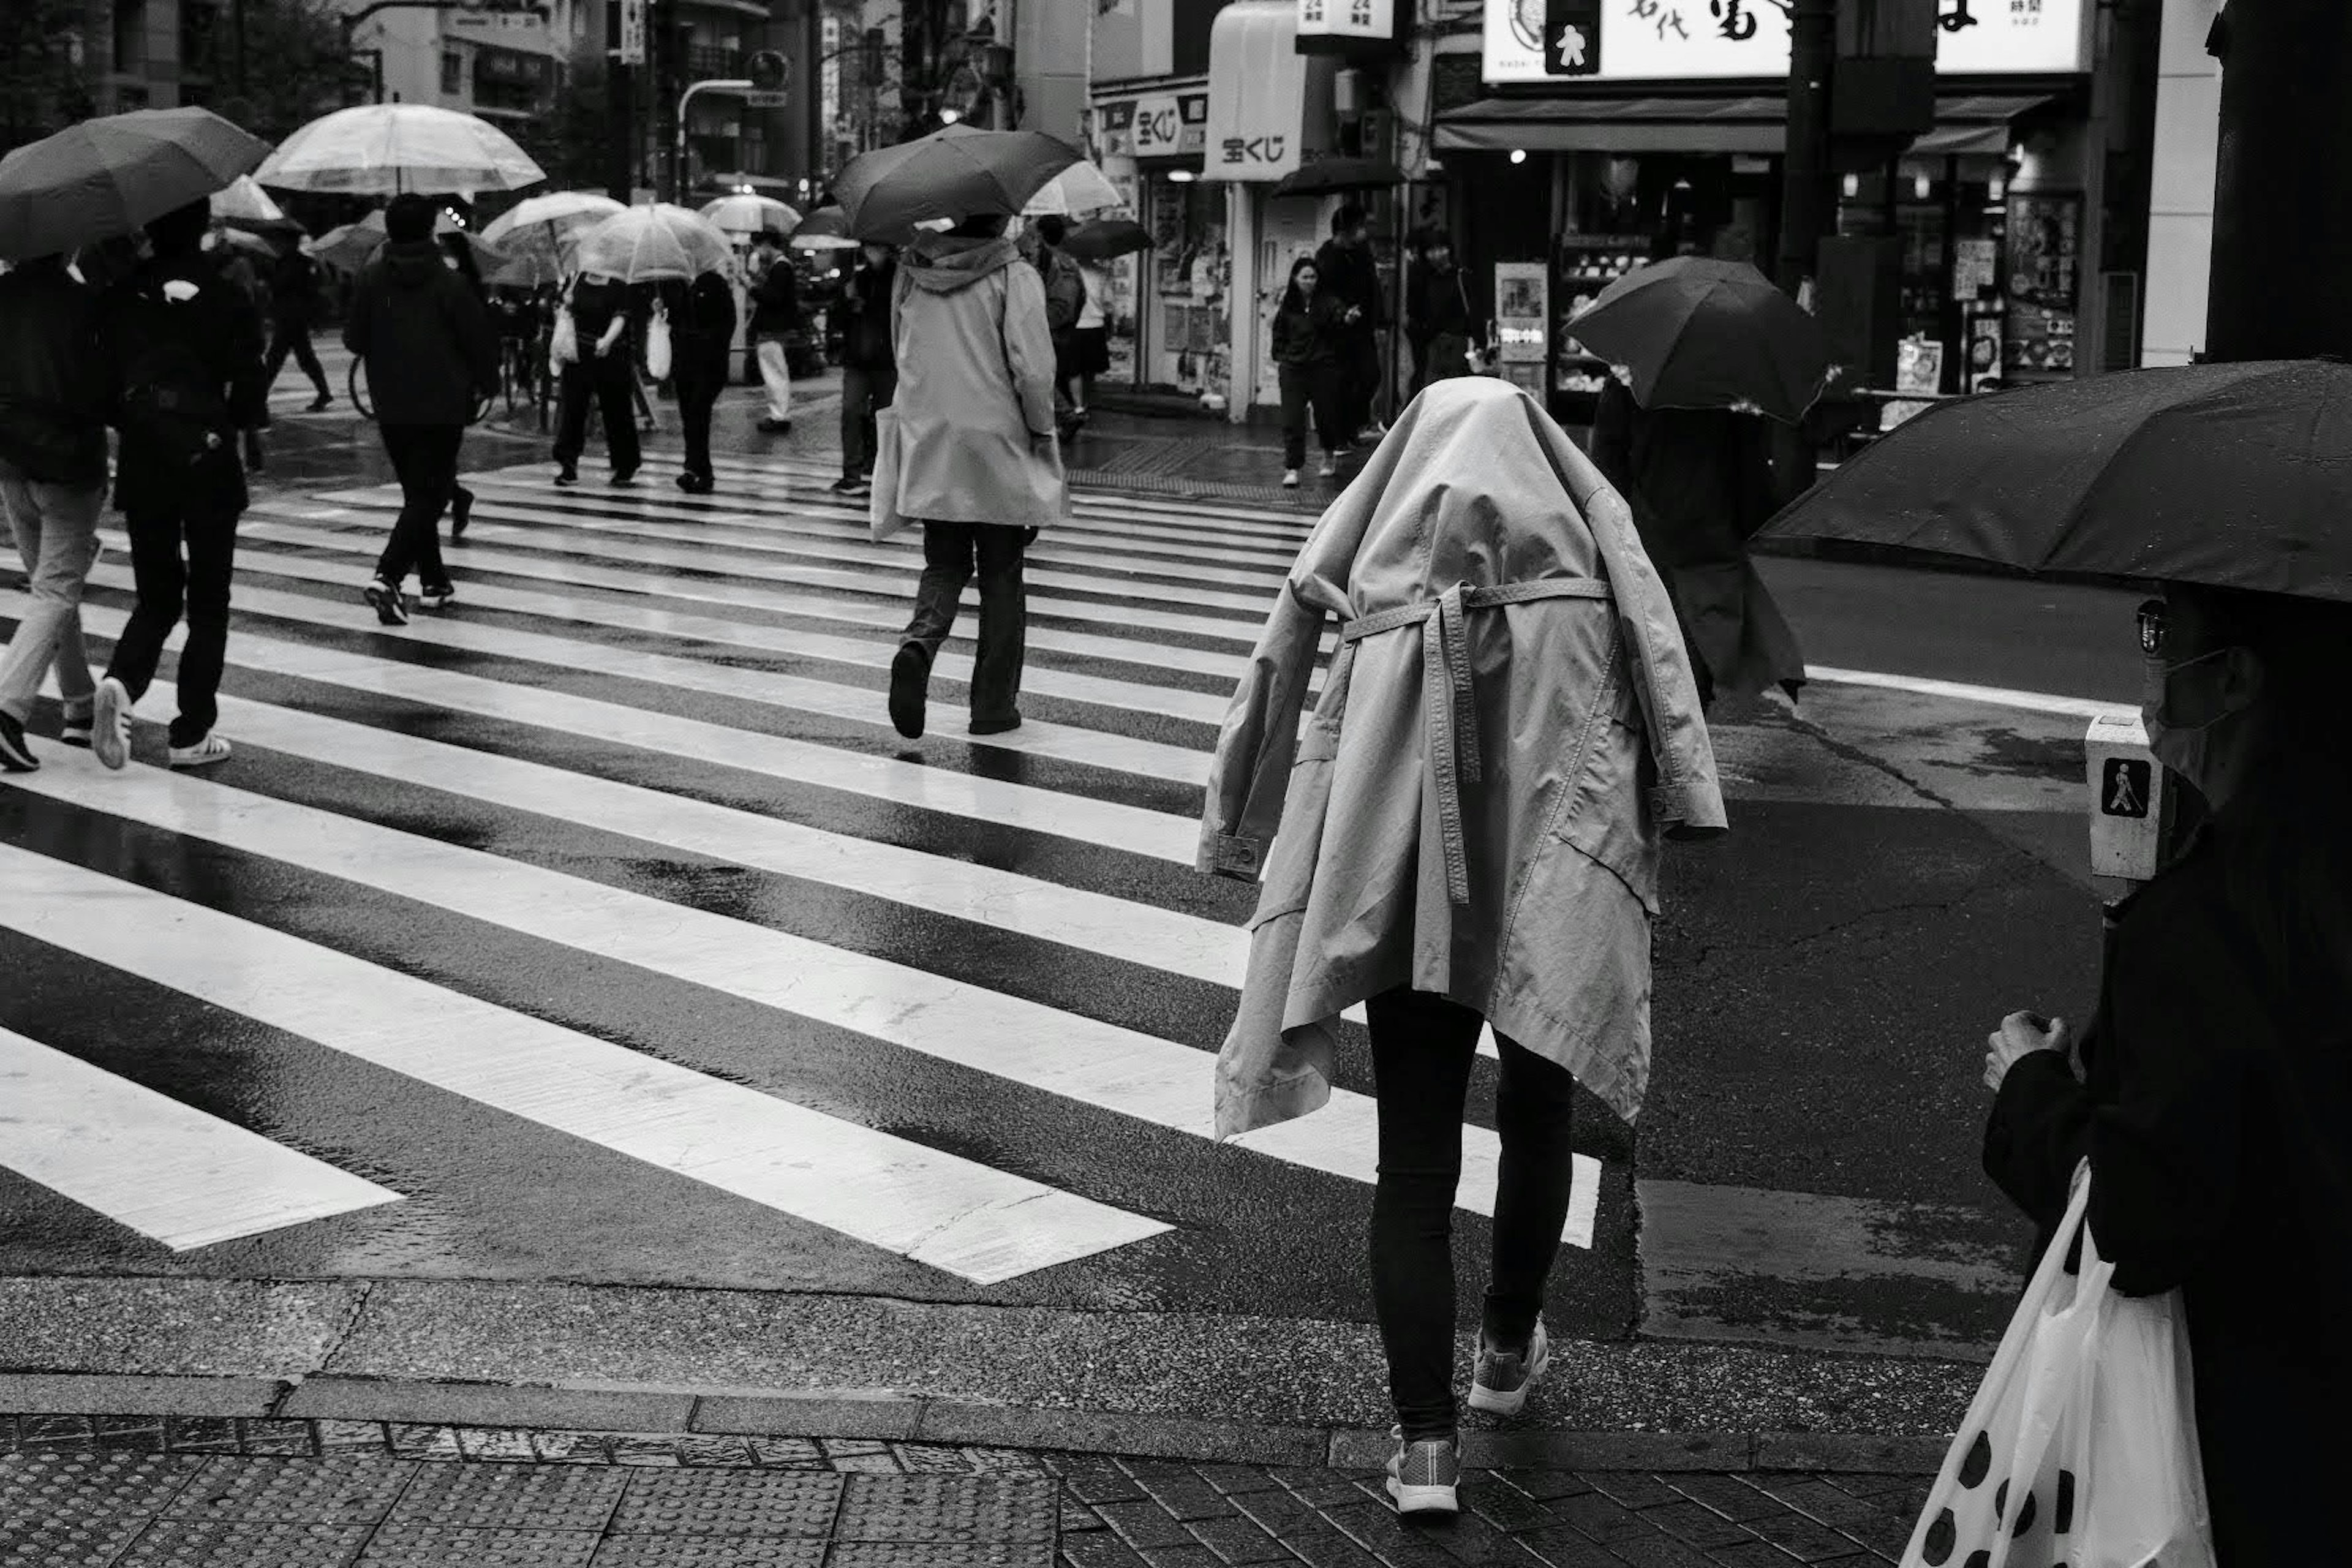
[245, 202]
[545, 227]
[656, 241]
[1079, 189]
[383, 149]
[751, 214]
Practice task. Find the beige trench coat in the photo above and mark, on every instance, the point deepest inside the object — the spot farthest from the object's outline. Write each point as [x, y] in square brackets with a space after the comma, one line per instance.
[1474, 808]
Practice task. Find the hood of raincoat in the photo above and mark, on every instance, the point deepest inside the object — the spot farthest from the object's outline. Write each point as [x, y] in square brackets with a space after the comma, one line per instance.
[943, 263]
[412, 263]
[1508, 729]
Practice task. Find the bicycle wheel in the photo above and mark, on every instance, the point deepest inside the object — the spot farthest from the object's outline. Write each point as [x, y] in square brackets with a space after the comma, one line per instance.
[358, 386]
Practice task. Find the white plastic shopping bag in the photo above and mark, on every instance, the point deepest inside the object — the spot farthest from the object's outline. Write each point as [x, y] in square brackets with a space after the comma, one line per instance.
[2081, 1446]
[883, 518]
[657, 349]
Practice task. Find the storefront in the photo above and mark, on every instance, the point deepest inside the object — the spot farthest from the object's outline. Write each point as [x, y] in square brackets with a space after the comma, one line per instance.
[1168, 325]
[1649, 128]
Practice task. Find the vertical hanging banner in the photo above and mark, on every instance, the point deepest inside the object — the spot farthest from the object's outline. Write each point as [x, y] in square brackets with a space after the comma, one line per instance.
[629, 33]
[1327, 25]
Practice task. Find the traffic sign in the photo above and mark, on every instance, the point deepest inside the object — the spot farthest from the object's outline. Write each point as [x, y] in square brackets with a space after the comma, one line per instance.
[770, 75]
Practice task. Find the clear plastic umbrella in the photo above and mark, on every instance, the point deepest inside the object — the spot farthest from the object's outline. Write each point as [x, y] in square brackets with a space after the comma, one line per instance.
[247, 206]
[751, 214]
[111, 176]
[383, 149]
[1076, 191]
[547, 227]
[654, 242]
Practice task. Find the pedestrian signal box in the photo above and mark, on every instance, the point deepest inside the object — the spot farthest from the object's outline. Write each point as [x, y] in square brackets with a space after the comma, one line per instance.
[770, 75]
[2128, 798]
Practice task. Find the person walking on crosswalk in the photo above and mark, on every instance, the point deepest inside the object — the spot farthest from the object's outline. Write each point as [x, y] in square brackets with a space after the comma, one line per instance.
[431, 354]
[978, 462]
[600, 307]
[1545, 781]
[869, 365]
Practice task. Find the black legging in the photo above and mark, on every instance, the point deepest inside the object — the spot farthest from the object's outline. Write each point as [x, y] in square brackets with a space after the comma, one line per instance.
[1422, 1045]
[293, 338]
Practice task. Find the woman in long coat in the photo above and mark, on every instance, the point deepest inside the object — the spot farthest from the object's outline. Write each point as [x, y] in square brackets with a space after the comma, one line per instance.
[1700, 483]
[2215, 1101]
[977, 461]
[1468, 828]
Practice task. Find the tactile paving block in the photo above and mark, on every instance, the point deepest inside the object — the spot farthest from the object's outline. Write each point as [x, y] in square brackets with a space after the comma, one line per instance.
[77, 1541]
[941, 1554]
[512, 1497]
[191, 1543]
[51, 1484]
[729, 1502]
[709, 1551]
[348, 1489]
[1000, 1509]
[434, 1546]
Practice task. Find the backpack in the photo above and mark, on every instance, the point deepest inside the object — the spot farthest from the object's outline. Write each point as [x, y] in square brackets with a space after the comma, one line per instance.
[1065, 294]
[170, 401]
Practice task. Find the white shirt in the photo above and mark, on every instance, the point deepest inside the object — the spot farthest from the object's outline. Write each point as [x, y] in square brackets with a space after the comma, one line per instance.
[1098, 281]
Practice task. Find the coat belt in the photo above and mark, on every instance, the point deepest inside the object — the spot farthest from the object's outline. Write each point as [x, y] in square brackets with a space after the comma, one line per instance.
[1448, 694]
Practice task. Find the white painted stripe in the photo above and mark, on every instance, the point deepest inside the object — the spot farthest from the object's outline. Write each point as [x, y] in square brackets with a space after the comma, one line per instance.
[1991, 696]
[851, 704]
[1103, 824]
[954, 1215]
[1165, 701]
[1108, 501]
[1121, 1070]
[168, 1171]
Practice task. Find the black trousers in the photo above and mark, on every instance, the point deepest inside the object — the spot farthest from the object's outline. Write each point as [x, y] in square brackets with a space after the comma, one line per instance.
[424, 457]
[865, 392]
[699, 377]
[294, 338]
[950, 553]
[607, 380]
[1358, 372]
[170, 585]
[1422, 1045]
[1308, 388]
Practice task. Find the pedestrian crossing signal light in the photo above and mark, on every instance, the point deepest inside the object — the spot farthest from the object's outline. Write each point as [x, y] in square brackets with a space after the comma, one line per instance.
[769, 74]
[2129, 801]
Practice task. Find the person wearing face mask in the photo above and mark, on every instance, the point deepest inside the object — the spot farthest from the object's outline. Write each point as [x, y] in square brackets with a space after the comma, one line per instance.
[2214, 1092]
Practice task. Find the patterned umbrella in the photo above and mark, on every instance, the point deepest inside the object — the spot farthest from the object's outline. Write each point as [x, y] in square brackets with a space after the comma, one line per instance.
[652, 242]
[1075, 192]
[955, 173]
[113, 175]
[383, 149]
[751, 214]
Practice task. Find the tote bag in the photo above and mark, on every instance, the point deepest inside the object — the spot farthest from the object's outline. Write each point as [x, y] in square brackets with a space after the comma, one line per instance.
[882, 516]
[2081, 1446]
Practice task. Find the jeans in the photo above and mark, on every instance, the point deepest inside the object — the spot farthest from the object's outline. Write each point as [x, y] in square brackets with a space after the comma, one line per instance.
[863, 391]
[607, 380]
[293, 338]
[776, 375]
[950, 550]
[1422, 1045]
[168, 585]
[56, 532]
[1307, 387]
[699, 377]
[424, 457]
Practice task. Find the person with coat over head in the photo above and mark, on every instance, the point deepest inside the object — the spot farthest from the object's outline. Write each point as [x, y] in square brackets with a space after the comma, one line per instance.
[869, 365]
[431, 354]
[979, 461]
[1467, 828]
[181, 350]
[1306, 330]
[701, 327]
[2212, 1092]
[600, 308]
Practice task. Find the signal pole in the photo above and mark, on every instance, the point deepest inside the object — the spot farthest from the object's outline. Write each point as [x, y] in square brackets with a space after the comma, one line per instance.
[624, 22]
[1805, 193]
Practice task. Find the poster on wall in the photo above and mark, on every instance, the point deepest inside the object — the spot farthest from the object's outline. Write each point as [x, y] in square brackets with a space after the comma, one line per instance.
[1540, 40]
[1522, 310]
[1976, 268]
[1919, 369]
[2044, 251]
[2040, 342]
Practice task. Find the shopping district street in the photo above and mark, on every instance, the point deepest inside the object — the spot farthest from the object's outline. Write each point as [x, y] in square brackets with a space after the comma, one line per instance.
[443, 1038]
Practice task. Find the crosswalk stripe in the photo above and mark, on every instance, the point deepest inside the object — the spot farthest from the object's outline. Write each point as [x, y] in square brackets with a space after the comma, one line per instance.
[954, 1215]
[1103, 1065]
[167, 1170]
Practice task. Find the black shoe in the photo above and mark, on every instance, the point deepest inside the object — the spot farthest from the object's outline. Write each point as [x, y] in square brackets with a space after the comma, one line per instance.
[775, 426]
[911, 679]
[851, 485]
[321, 403]
[436, 596]
[385, 600]
[566, 474]
[996, 726]
[696, 484]
[461, 514]
[15, 757]
[624, 476]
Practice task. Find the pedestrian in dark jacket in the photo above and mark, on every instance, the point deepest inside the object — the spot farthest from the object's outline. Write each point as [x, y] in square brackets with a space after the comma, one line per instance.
[2214, 1100]
[1437, 316]
[869, 363]
[431, 354]
[599, 308]
[293, 310]
[775, 317]
[1308, 325]
[701, 326]
[181, 350]
[52, 487]
[1351, 276]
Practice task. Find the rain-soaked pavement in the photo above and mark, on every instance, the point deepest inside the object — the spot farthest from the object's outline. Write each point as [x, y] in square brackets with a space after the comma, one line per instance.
[598, 933]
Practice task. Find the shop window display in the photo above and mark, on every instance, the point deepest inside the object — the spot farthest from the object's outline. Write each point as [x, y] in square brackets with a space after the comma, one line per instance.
[1192, 342]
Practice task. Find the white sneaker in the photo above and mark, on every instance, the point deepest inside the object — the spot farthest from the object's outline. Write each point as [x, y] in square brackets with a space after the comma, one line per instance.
[1330, 469]
[110, 725]
[1424, 1476]
[202, 755]
[1290, 478]
[1503, 1380]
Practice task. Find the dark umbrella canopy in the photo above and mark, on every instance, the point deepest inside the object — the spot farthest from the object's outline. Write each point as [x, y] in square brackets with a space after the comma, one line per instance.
[2235, 475]
[1701, 334]
[113, 175]
[955, 173]
[1099, 239]
[1339, 175]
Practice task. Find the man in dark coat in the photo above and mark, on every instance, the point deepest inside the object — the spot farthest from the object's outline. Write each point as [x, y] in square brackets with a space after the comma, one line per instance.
[1351, 276]
[293, 309]
[775, 316]
[869, 363]
[702, 325]
[431, 354]
[181, 350]
[2215, 1099]
[1437, 316]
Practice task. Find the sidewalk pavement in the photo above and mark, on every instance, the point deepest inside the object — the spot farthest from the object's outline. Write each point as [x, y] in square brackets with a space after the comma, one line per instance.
[257, 1493]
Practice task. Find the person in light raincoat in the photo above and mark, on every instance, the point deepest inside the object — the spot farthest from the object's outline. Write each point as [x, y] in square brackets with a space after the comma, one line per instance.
[1468, 828]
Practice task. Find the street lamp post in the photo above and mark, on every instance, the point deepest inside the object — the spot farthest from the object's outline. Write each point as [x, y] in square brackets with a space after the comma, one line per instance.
[677, 157]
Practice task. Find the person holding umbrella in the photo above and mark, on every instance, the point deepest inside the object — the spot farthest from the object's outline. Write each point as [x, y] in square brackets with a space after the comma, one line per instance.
[775, 316]
[598, 306]
[702, 323]
[869, 362]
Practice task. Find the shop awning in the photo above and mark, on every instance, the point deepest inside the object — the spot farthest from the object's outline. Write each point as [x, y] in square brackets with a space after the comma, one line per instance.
[1266, 100]
[1698, 123]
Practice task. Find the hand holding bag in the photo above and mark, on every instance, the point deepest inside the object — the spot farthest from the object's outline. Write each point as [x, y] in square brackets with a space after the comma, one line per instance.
[563, 344]
[658, 346]
[883, 517]
[2081, 1446]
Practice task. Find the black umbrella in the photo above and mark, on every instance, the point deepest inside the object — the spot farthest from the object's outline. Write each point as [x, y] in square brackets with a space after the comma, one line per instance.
[111, 176]
[1700, 333]
[2235, 475]
[955, 173]
[1339, 175]
[1099, 239]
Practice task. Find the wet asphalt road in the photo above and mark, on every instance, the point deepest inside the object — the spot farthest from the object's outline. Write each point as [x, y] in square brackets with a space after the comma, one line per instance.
[406, 810]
